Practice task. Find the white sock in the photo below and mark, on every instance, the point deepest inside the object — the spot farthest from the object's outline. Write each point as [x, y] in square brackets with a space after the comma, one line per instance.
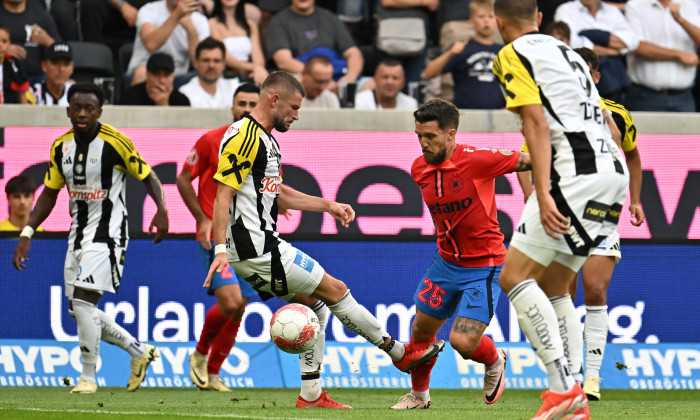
[571, 334]
[423, 395]
[538, 320]
[359, 320]
[311, 360]
[595, 334]
[113, 333]
[310, 387]
[88, 336]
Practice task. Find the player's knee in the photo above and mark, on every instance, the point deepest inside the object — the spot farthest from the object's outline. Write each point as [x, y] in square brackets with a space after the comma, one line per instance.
[420, 334]
[507, 279]
[231, 306]
[464, 344]
[596, 295]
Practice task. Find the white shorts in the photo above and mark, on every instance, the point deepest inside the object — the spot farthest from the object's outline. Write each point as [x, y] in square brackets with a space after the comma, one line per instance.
[96, 267]
[592, 203]
[610, 247]
[281, 273]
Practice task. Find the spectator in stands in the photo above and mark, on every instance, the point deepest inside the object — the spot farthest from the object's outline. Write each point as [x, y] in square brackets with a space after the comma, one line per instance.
[31, 30]
[602, 28]
[158, 88]
[58, 67]
[560, 31]
[20, 191]
[662, 82]
[316, 77]
[303, 30]
[230, 25]
[209, 89]
[471, 63]
[14, 83]
[244, 100]
[174, 27]
[389, 79]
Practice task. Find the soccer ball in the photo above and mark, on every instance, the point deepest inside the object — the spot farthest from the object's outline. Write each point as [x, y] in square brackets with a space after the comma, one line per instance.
[294, 328]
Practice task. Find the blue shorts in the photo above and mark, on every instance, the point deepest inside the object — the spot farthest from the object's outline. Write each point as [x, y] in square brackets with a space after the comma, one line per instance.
[227, 276]
[448, 288]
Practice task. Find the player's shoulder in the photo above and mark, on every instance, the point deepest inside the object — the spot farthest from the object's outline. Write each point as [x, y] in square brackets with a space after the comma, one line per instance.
[63, 138]
[617, 108]
[116, 139]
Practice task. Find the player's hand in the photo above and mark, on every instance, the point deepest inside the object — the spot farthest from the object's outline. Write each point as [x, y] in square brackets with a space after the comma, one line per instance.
[21, 251]
[688, 58]
[637, 214]
[343, 213]
[553, 222]
[204, 233]
[217, 266]
[160, 222]
[284, 212]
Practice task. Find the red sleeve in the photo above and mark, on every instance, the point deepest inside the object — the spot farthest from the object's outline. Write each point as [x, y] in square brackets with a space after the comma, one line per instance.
[491, 163]
[196, 162]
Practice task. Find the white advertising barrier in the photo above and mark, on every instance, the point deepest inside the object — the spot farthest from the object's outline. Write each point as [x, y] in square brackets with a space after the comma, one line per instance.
[346, 365]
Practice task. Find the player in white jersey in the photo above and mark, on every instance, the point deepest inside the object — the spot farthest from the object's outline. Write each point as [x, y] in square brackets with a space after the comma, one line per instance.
[580, 185]
[92, 160]
[244, 226]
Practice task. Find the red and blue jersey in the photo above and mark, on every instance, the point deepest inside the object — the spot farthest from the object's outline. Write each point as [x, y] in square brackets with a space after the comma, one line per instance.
[460, 195]
[203, 162]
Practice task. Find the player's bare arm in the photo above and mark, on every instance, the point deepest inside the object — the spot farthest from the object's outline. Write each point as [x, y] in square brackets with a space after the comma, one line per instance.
[290, 198]
[525, 181]
[634, 164]
[44, 204]
[538, 141]
[204, 224]
[160, 220]
[222, 202]
[616, 135]
[524, 162]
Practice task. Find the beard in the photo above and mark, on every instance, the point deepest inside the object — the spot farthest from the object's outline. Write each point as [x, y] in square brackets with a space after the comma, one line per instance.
[437, 158]
[279, 125]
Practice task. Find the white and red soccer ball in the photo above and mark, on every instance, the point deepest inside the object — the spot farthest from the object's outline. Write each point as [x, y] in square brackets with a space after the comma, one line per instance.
[294, 328]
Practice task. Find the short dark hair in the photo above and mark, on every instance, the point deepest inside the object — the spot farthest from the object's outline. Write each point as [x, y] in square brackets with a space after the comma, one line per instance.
[209, 43]
[311, 62]
[389, 62]
[20, 184]
[440, 110]
[590, 57]
[87, 88]
[515, 10]
[561, 27]
[284, 80]
[247, 87]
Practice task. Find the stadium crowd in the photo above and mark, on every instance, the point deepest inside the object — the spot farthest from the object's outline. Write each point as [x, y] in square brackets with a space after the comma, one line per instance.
[365, 54]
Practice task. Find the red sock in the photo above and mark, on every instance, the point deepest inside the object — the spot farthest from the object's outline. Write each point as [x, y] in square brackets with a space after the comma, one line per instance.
[420, 376]
[486, 353]
[212, 325]
[222, 346]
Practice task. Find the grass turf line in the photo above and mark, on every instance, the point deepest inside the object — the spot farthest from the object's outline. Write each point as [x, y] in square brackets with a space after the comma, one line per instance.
[369, 404]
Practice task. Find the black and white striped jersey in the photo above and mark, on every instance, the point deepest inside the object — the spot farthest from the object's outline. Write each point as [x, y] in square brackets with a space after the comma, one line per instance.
[95, 176]
[539, 69]
[249, 161]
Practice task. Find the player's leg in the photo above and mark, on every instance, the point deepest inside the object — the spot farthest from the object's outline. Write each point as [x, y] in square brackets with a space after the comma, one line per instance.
[423, 331]
[597, 273]
[479, 297]
[311, 393]
[84, 304]
[556, 281]
[359, 320]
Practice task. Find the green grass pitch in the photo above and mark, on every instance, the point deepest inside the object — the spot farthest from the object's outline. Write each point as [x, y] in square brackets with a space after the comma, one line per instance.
[368, 404]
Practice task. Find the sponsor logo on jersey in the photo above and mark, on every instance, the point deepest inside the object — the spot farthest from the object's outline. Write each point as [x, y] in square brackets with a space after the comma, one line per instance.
[304, 261]
[506, 152]
[270, 184]
[595, 211]
[453, 207]
[86, 192]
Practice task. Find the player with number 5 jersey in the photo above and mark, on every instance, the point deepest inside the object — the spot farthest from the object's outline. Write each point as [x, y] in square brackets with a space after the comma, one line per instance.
[457, 182]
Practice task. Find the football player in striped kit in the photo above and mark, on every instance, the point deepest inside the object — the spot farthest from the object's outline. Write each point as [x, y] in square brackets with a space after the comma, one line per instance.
[91, 161]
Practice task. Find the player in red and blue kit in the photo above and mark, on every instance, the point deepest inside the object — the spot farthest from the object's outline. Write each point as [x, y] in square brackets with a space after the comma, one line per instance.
[223, 320]
[457, 183]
